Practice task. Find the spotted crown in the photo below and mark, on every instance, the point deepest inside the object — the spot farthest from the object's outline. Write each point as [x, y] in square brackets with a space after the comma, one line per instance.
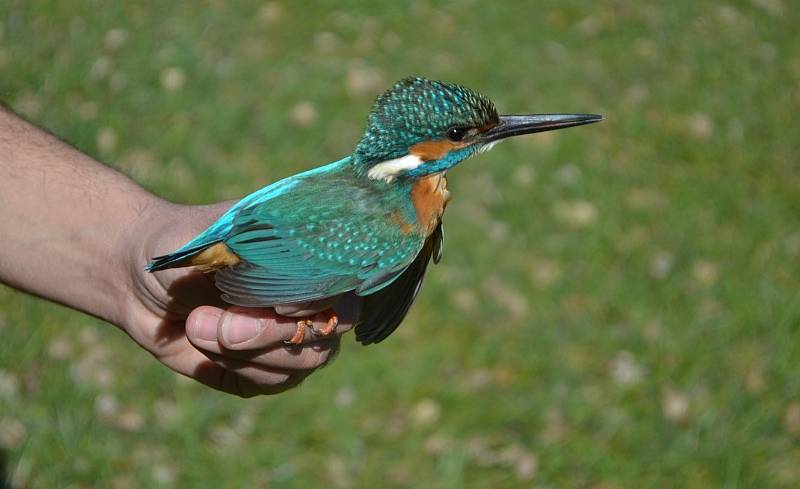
[416, 110]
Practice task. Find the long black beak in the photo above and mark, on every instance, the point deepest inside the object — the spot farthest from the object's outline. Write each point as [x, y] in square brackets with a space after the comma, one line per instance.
[514, 125]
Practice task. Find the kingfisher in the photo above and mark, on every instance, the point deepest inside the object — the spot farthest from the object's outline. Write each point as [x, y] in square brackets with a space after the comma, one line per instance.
[369, 223]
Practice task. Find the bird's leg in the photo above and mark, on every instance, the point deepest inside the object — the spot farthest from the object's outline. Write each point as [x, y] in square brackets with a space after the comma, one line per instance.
[332, 321]
[299, 333]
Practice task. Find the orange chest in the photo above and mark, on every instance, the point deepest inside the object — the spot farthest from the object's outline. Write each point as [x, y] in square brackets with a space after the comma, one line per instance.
[430, 196]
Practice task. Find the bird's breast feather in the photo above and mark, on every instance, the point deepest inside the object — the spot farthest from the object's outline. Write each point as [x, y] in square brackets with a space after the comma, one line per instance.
[429, 196]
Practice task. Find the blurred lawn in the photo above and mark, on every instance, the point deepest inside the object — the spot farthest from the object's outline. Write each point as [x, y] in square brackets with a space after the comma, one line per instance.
[617, 307]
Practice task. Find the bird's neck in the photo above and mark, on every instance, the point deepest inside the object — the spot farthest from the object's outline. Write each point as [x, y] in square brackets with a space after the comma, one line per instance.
[365, 162]
[417, 201]
[415, 162]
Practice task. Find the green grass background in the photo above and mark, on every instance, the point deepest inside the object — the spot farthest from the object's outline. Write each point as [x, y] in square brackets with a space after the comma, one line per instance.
[617, 306]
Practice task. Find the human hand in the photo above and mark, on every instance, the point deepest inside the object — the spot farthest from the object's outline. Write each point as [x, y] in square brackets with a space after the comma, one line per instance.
[177, 316]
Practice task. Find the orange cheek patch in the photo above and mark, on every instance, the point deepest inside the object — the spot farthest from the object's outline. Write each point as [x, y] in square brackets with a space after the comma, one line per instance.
[434, 150]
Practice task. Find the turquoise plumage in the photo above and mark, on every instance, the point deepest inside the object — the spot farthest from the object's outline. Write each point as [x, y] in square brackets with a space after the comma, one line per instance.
[368, 223]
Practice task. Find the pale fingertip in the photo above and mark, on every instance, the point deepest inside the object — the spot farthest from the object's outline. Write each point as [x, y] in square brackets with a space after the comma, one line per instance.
[239, 328]
[249, 328]
[203, 323]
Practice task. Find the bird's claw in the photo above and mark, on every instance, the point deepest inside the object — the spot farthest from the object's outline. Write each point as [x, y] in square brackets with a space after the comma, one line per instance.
[300, 332]
[330, 326]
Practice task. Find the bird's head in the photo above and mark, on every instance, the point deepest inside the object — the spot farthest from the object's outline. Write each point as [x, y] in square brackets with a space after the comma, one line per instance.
[421, 126]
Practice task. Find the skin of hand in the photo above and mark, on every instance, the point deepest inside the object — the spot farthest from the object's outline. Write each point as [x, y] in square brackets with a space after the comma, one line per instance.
[67, 219]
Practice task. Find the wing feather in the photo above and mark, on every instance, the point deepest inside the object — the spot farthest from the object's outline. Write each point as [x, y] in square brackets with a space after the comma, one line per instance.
[325, 251]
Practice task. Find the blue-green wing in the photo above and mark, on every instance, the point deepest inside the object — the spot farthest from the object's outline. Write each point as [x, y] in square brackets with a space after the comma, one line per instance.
[339, 239]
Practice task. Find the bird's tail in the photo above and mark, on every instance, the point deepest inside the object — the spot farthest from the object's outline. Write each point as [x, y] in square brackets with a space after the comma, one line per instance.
[177, 258]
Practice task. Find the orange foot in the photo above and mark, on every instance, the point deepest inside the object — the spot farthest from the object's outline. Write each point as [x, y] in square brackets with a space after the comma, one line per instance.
[300, 333]
[330, 326]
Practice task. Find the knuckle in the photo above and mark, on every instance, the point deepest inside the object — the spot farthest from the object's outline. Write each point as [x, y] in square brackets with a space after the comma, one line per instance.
[320, 357]
[277, 378]
[342, 328]
[314, 358]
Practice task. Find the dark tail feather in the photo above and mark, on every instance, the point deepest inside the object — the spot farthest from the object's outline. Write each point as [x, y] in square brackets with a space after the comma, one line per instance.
[175, 259]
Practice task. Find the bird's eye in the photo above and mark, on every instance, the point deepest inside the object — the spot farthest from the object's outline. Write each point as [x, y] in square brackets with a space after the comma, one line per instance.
[457, 133]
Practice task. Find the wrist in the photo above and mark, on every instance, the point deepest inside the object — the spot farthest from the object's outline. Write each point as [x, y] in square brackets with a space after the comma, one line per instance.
[151, 216]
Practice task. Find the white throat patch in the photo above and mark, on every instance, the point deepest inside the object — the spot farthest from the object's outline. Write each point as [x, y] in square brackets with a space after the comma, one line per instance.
[387, 170]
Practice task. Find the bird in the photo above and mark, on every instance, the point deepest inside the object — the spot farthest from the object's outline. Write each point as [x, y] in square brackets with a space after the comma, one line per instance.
[368, 223]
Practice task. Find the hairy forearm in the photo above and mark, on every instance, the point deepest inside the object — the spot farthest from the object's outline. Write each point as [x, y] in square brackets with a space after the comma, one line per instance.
[64, 220]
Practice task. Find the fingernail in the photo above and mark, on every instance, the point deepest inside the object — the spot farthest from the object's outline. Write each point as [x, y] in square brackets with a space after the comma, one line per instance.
[237, 328]
[205, 326]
